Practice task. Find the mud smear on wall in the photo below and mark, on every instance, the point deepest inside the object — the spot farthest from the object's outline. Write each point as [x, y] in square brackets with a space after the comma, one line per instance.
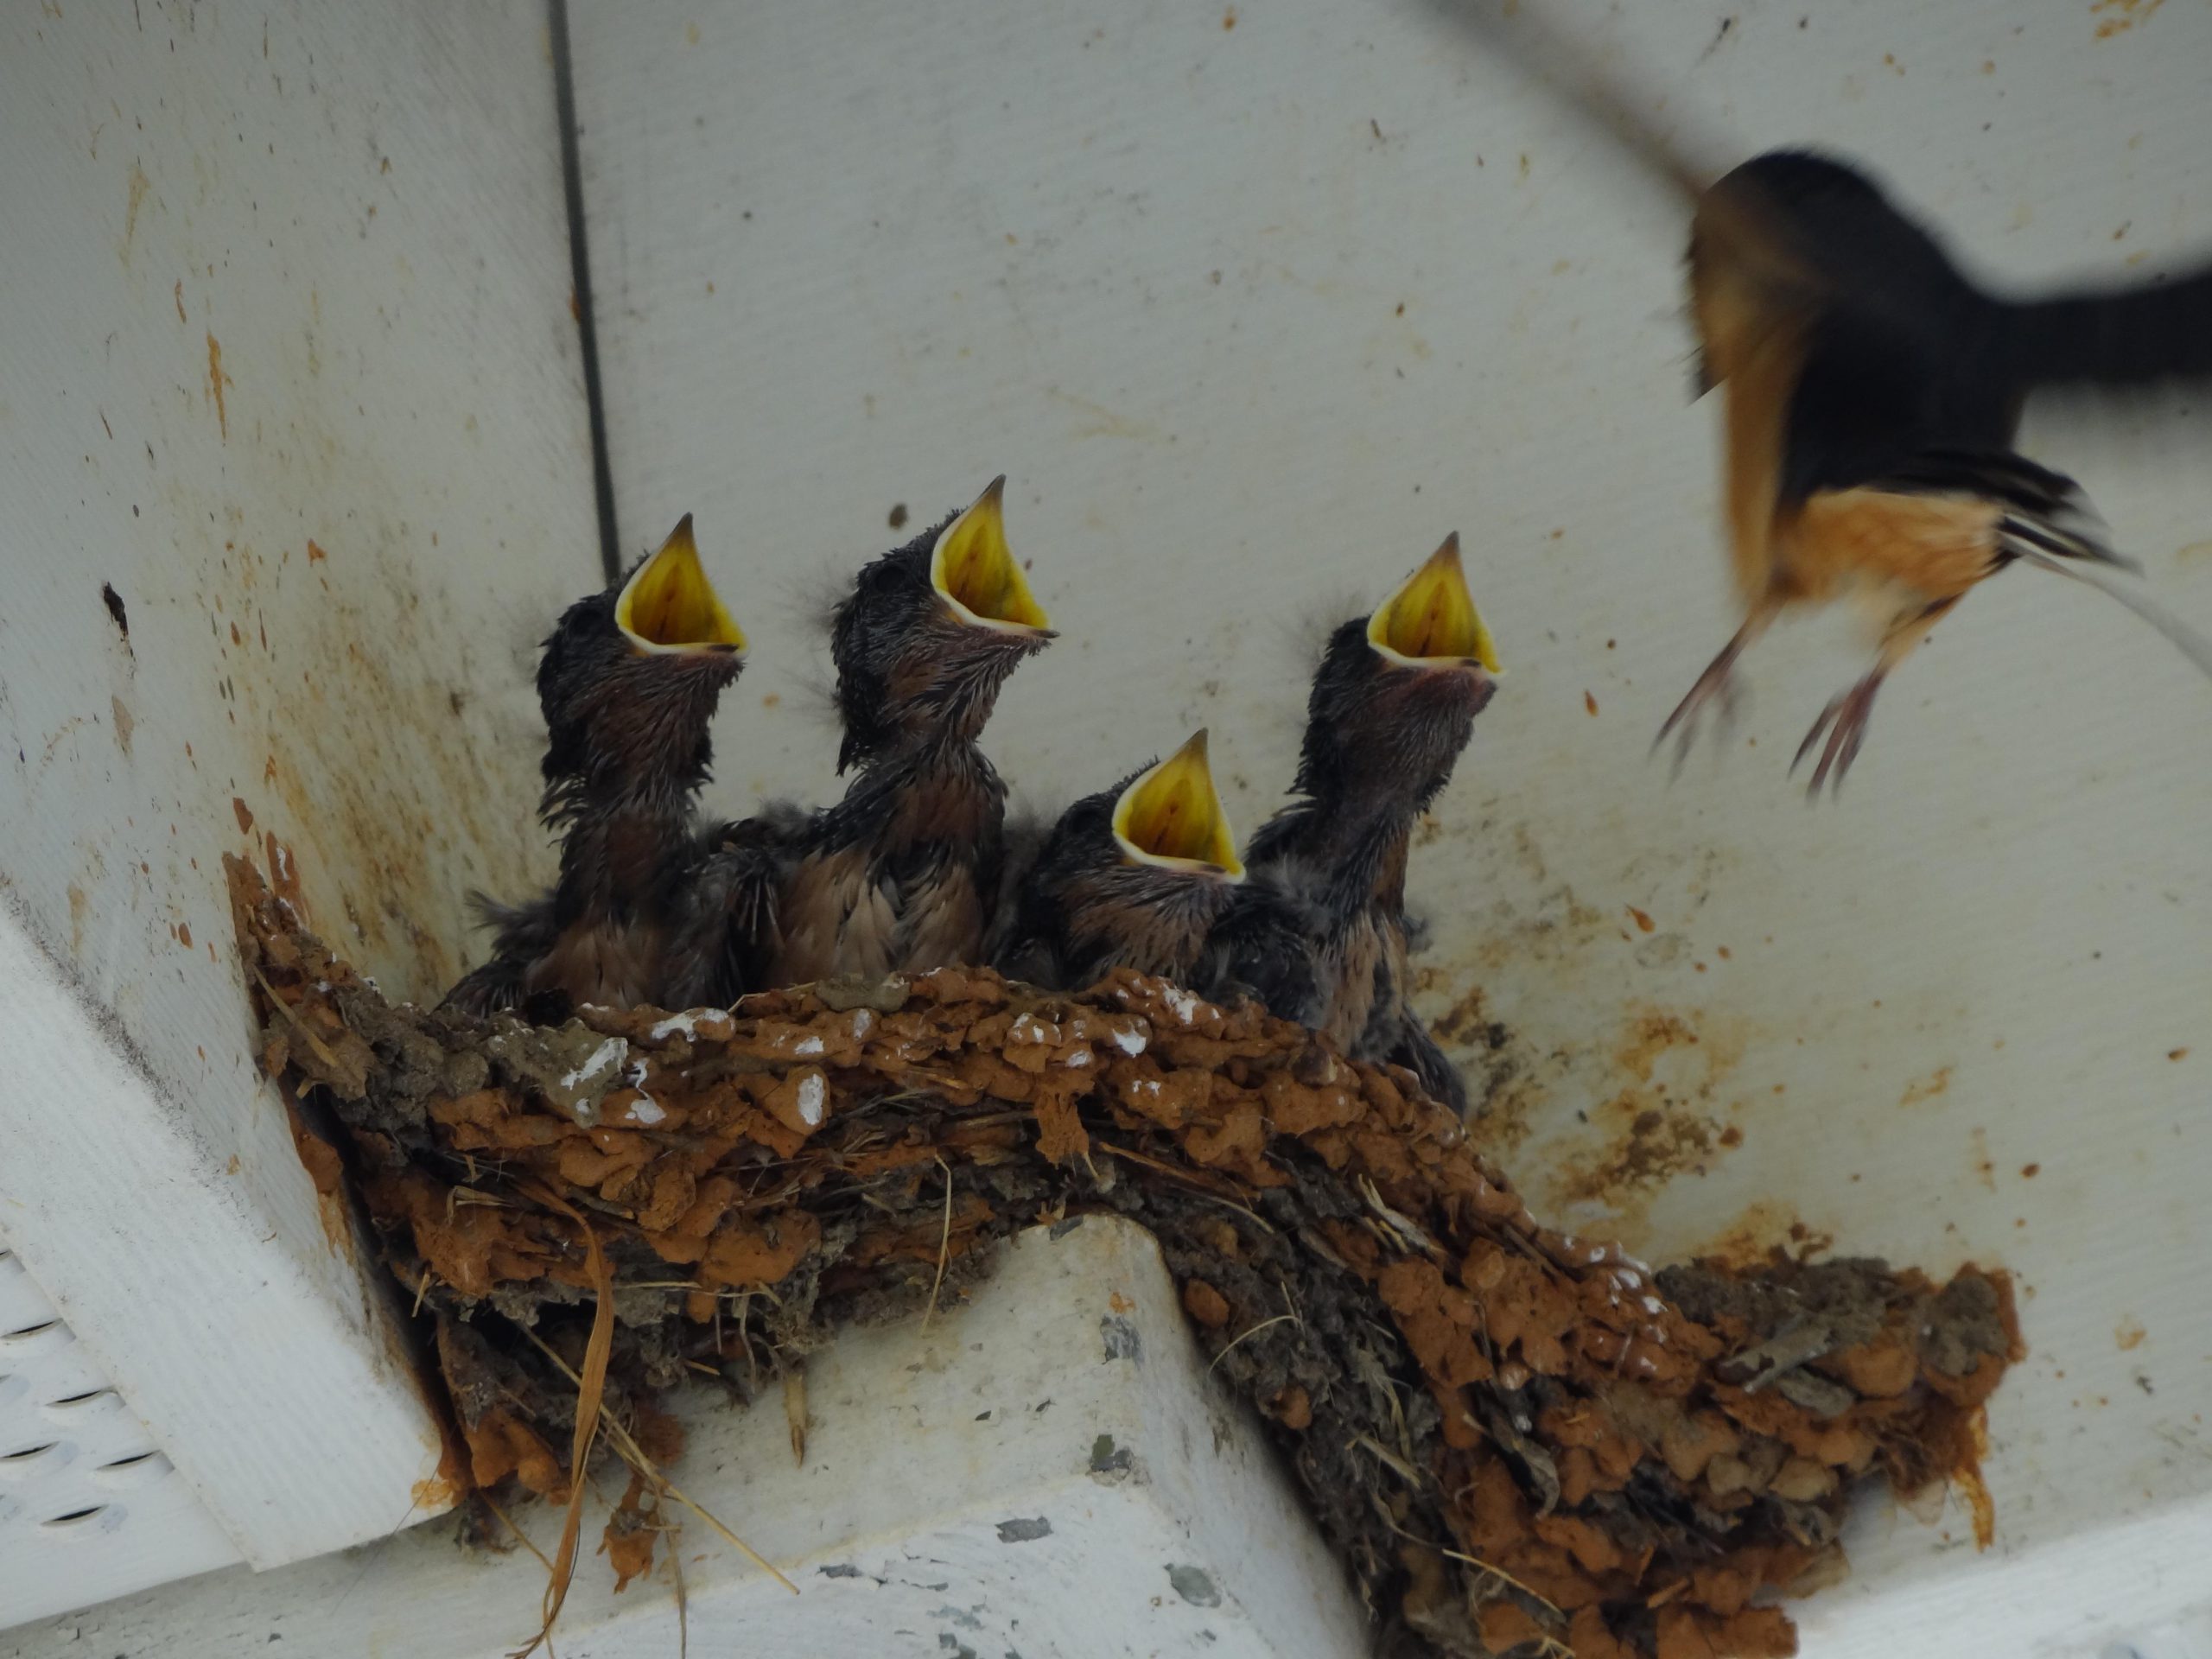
[346, 678]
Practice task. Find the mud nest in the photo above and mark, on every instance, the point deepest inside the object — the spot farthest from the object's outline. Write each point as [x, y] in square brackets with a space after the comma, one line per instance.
[1518, 1441]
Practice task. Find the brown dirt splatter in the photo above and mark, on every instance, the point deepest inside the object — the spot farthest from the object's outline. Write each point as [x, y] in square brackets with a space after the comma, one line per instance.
[2118, 17]
[1984, 1167]
[367, 765]
[1651, 1034]
[217, 381]
[2129, 1333]
[1657, 1127]
[138, 185]
[1656, 1145]
[1496, 1065]
[1928, 1088]
[1763, 1228]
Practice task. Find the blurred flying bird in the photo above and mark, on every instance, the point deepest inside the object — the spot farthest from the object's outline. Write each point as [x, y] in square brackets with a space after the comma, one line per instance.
[1873, 397]
[1872, 392]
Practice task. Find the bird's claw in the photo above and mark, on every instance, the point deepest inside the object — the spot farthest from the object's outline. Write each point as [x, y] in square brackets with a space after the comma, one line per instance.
[1719, 680]
[1844, 722]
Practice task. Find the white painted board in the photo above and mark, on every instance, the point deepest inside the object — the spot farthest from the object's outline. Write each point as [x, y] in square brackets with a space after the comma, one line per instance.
[289, 367]
[1048, 1472]
[89, 1506]
[1255, 300]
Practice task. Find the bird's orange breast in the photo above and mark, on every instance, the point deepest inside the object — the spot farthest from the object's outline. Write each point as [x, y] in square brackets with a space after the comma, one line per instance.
[1937, 546]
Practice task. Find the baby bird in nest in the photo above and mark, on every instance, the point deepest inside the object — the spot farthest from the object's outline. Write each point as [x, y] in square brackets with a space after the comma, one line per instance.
[1135, 876]
[1319, 932]
[901, 875]
[628, 683]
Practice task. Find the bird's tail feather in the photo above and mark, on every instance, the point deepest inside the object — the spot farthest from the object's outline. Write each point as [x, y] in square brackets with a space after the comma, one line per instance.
[2116, 338]
[2044, 511]
[2184, 638]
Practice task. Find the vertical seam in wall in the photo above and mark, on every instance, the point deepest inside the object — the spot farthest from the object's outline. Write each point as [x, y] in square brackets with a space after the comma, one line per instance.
[572, 189]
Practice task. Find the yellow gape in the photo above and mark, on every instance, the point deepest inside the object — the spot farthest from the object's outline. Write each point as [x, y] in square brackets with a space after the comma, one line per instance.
[974, 571]
[1171, 816]
[670, 605]
[1433, 619]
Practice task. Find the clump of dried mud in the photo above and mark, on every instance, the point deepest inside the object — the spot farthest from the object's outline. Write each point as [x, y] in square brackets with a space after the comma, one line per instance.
[1518, 1441]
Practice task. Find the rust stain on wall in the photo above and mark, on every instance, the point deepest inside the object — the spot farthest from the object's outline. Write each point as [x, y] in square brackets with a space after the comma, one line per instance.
[216, 381]
[1760, 1230]
[344, 684]
[1928, 1088]
[2118, 17]
[1663, 1119]
[139, 185]
[1984, 1167]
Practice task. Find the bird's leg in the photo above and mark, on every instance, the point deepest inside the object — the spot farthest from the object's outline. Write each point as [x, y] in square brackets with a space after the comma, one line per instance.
[1718, 680]
[1845, 719]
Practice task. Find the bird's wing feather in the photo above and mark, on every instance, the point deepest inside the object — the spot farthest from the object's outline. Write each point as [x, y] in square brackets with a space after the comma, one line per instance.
[1262, 948]
[724, 937]
[521, 934]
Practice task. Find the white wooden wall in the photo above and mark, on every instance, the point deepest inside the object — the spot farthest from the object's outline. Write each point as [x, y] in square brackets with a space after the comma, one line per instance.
[1252, 314]
[289, 364]
[1253, 303]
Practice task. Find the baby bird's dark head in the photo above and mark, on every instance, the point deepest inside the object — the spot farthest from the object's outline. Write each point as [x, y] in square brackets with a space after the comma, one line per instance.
[629, 681]
[1398, 690]
[1141, 872]
[930, 632]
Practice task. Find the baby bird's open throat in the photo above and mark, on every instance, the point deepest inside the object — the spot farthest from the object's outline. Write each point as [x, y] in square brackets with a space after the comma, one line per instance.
[1432, 619]
[668, 605]
[1173, 816]
[974, 570]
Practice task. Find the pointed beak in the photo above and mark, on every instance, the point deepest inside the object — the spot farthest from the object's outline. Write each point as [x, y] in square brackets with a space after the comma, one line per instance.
[668, 606]
[1430, 621]
[1172, 817]
[975, 572]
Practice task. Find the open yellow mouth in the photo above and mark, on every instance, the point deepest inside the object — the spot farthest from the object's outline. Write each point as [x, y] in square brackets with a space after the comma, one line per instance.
[670, 605]
[1432, 619]
[975, 572]
[1171, 816]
